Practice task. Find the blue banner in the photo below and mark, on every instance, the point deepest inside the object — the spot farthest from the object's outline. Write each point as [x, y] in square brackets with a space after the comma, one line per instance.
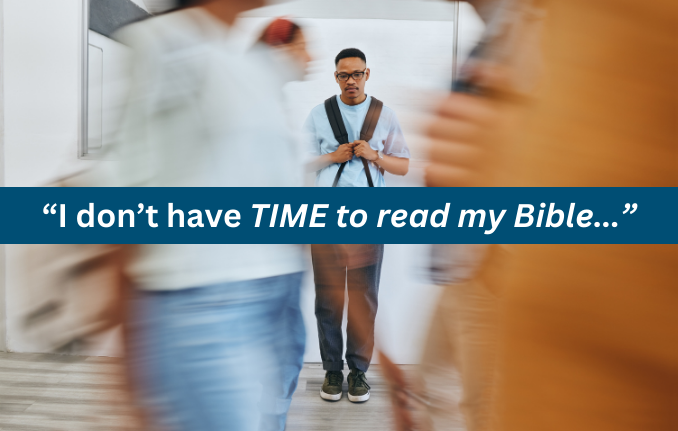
[53, 215]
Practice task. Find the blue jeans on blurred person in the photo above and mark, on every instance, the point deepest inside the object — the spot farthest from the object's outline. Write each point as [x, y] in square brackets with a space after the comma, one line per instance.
[289, 346]
[201, 356]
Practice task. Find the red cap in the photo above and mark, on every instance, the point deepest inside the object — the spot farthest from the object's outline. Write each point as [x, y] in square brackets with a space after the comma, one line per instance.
[279, 32]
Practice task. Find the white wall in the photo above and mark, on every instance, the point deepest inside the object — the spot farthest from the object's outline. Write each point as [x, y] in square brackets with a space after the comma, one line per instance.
[108, 90]
[410, 62]
[41, 55]
[141, 4]
[41, 47]
[411, 67]
[3, 318]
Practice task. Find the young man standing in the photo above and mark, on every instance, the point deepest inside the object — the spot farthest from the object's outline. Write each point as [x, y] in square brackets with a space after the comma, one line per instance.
[359, 161]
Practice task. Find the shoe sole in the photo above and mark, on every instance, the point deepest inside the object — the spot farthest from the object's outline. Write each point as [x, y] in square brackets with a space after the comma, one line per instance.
[358, 398]
[330, 397]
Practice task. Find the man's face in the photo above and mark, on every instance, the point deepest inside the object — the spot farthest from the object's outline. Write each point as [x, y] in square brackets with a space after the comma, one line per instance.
[352, 88]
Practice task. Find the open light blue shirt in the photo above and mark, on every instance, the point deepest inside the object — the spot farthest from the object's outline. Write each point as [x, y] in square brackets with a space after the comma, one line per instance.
[388, 137]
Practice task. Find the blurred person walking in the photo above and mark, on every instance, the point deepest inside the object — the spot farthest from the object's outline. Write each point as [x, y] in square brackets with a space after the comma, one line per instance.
[585, 329]
[353, 138]
[283, 45]
[207, 322]
[463, 340]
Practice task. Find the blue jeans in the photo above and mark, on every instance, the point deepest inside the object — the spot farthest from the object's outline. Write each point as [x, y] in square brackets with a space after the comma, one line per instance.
[201, 355]
[332, 278]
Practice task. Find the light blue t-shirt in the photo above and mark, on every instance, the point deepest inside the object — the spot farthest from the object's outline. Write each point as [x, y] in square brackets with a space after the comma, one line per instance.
[388, 137]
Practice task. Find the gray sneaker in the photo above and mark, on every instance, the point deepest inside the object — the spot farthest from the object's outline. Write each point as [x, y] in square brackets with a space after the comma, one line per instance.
[358, 389]
[331, 389]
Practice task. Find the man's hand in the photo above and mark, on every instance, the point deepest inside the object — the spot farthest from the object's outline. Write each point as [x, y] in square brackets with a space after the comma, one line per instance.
[363, 149]
[343, 154]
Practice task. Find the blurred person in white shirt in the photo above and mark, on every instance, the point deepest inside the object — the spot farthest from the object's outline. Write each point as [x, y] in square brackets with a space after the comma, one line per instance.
[206, 320]
[283, 45]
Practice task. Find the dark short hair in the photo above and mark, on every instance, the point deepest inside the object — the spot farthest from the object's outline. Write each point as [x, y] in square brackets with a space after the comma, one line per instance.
[350, 53]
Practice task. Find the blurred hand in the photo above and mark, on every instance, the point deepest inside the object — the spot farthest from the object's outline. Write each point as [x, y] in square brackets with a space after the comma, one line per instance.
[363, 149]
[343, 154]
[398, 390]
[467, 133]
[462, 142]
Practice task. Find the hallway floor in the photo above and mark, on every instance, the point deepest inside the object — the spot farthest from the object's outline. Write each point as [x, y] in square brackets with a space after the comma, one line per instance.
[73, 393]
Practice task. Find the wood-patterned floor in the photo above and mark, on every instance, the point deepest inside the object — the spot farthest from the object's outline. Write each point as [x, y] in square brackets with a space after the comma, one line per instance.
[70, 393]
[52, 392]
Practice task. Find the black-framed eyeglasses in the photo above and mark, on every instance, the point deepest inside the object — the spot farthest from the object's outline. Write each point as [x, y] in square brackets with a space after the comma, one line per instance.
[356, 75]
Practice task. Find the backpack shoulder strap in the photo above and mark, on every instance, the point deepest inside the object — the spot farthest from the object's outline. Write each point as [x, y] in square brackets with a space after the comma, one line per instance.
[371, 119]
[338, 129]
[366, 133]
[336, 122]
[341, 135]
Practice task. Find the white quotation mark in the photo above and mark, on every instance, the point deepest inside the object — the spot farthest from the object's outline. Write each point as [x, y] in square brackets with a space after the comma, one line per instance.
[614, 223]
[62, 207]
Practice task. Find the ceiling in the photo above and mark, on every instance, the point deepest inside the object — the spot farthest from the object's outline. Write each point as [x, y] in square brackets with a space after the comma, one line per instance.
[418, 10]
